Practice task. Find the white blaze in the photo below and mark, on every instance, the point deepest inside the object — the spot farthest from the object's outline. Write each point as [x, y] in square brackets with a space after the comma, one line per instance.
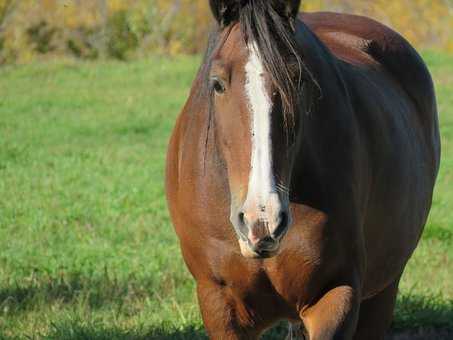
[261, 186]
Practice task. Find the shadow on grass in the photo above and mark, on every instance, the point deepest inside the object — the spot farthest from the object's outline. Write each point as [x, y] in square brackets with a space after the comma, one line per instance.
[69, 331]
[418, 311]
[71, 289]
[415, 315]
[73, 331]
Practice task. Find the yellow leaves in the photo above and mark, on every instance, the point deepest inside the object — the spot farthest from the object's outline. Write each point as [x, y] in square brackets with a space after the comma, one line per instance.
[118, 5]
[4, 7]
[313, 5]
[425, 23]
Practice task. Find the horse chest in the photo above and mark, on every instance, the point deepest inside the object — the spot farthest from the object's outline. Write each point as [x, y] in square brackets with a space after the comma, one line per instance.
[264, 290]
[284, 282]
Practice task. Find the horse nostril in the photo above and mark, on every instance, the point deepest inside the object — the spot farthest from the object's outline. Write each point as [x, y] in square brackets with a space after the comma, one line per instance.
[282, 226]
[267, 239]
[263, 244]
[283, 217]
[242, 218]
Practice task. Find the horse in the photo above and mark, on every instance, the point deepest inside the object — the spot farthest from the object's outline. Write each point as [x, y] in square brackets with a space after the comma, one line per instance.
[300, 171]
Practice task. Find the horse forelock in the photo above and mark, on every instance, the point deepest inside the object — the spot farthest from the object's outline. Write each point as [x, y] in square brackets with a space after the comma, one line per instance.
[273, 36]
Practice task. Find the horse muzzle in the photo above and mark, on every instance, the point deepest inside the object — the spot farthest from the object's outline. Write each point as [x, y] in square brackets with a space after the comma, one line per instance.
[258, 252]
[260, 237]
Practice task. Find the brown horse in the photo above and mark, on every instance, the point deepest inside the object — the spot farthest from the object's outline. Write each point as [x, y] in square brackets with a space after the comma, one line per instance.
[300, 172]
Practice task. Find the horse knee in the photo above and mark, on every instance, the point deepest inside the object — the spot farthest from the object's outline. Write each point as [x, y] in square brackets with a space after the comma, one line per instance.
[334, 316]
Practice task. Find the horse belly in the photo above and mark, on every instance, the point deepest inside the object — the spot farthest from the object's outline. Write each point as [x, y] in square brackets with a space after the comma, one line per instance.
[397, 212]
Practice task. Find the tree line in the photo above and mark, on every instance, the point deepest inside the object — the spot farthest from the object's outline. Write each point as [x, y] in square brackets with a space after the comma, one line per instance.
[91, 29]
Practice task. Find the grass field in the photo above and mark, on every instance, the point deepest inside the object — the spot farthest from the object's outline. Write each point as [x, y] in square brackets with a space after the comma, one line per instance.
[87, 250]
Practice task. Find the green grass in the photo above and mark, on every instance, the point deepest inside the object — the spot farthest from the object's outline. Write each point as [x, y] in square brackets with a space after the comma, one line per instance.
[87, 250]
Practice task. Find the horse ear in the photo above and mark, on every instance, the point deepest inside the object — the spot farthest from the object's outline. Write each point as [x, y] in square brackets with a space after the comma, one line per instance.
[225, 11]
[292, 8]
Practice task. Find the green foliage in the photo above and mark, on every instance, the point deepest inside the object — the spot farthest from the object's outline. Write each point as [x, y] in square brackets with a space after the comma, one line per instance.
[121, 39]
[41, 35]
[80, 45]
[87, 250]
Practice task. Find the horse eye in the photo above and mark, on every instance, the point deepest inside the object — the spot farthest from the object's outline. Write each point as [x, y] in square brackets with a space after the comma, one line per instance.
[218, 85]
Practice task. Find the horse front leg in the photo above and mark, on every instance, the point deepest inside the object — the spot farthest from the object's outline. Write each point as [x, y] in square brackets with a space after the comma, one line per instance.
[334, 316]
[225, 317]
